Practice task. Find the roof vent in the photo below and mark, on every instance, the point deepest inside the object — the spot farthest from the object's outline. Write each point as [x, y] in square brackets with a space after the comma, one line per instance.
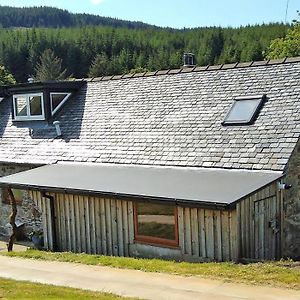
[188, 60]
[57, 128]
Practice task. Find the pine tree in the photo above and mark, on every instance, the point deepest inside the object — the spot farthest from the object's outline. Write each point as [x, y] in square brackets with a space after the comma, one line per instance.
[49, 67]
[100, 66]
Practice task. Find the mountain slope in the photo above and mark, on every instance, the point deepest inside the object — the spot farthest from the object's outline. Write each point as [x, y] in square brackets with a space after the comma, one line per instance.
[51, 17]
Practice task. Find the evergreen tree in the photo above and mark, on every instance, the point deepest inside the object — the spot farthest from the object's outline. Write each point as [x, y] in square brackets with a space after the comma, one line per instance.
[5, 77]
[57, 18]
[49, 67]
[100, 66]
[122, 49]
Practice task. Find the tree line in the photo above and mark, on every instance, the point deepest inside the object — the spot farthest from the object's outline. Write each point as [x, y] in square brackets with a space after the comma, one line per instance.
[96, 51]
[51, 17]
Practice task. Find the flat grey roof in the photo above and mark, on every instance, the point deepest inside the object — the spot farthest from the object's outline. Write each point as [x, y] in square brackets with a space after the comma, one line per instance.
[210, 186]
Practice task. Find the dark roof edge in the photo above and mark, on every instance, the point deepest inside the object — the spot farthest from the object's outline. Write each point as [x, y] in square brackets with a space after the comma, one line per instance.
[237, 65]
[133, 197]
[73, 85]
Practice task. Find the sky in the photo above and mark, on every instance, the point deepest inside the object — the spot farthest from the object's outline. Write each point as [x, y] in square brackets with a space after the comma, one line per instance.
[179, 13]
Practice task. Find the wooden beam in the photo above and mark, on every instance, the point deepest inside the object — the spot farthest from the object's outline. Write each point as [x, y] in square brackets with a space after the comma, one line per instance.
[53, 220]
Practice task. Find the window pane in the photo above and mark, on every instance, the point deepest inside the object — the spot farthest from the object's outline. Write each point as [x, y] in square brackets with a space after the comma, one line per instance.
[156, 220]
[21, 106]
[57, 99]
[242, 110]
[35, 105]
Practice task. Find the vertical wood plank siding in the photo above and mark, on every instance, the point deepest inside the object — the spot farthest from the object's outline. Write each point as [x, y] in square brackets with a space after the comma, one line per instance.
[209, 234]
[259, 227]
[44, 205]
[103, 225]
[92, 225]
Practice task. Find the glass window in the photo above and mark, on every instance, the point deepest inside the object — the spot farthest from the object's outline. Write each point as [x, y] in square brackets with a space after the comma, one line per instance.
[244, 110]
[18, 194]
[28, 107]
[156, 223]
[57, 100]
[21, 106]
[35, 105]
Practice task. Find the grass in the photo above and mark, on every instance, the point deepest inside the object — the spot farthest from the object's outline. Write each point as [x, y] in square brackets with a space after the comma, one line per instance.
[282, 274]
[12, 289]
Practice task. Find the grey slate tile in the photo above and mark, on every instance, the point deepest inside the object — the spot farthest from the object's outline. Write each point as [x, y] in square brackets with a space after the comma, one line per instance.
[170, 120]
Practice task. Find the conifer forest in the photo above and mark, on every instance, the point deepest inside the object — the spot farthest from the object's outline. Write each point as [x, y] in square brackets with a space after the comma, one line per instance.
[93, 46]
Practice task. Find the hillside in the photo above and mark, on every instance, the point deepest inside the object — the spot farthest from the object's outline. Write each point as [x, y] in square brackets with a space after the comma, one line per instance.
[51, 17]
[115, 50]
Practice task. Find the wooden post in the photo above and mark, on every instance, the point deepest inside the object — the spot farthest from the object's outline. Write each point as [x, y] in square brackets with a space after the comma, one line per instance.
[12, 220]
[53, 220]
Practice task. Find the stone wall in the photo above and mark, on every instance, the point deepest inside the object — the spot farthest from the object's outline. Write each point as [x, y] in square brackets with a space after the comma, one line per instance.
[28, 212]
[292, 207]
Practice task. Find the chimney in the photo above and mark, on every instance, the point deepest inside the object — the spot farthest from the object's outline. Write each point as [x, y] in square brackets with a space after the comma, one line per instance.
[189, 60]
[30, 80]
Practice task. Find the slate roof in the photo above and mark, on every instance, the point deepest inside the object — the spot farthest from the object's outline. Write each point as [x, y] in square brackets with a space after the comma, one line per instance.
[169, 118]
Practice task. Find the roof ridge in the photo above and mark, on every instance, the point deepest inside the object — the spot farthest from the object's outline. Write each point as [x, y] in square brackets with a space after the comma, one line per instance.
[236, 65]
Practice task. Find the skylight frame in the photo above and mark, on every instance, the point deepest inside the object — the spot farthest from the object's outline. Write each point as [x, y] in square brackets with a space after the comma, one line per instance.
[252, 115]
[28, 116]
[68, 95]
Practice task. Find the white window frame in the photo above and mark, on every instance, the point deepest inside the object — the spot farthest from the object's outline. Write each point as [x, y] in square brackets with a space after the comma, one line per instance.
[61, 103]
[28, 117]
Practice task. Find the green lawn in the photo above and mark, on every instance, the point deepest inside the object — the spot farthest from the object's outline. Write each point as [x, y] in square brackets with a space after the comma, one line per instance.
[12, 289]
[282, 273]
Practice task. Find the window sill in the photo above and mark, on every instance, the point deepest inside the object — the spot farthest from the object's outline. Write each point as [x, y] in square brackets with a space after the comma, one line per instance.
[156, 244]
[28, 119]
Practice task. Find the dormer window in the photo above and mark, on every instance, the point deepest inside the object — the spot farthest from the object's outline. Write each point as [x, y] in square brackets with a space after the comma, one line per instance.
[40, 101]
[244, 110]
[57, 100]
[28, 107]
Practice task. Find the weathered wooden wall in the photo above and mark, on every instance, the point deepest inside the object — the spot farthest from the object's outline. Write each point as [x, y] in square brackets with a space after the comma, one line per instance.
[105, 226]
[208, 233]
[260, 224]
[88, 224]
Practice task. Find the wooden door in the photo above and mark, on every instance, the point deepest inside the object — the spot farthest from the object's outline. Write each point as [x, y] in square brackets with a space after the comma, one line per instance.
[267, 228]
